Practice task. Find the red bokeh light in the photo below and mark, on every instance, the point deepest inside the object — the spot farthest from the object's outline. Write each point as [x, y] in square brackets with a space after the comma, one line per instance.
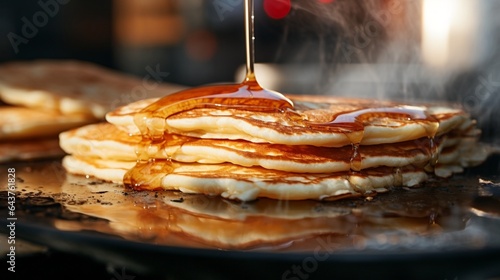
[277, 9]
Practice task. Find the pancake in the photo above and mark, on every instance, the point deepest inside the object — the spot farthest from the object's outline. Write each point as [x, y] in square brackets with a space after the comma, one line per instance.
[75, 87]
[27, 134]
[24, 123]
[276, 127]
[248, 183]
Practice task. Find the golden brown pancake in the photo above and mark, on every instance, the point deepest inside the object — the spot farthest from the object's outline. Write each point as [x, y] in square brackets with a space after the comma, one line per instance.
[27, 134]
[25, 123]
[277, 127]
[248, 183]
[74, 87]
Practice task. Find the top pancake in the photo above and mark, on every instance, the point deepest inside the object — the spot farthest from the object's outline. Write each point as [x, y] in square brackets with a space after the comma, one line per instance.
[380, 127]
[74, 87]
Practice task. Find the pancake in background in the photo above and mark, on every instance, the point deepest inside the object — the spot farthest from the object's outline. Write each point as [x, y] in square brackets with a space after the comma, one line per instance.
[280, 128]
[46, 97]
[74, 87]
[27, 134]
[24, 123]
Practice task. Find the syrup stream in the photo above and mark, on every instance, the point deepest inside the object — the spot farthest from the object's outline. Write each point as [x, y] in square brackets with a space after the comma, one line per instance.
[249, 40]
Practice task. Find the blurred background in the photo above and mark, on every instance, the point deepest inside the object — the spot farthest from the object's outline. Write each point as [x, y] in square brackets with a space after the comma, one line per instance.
[195, 41]
[418, 50]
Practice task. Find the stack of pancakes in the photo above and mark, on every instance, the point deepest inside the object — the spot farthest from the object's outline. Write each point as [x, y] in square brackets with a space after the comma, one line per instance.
[325, 148]
[42, 98]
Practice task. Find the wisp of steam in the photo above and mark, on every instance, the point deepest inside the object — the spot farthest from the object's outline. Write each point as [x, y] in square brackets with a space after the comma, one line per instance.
[371, 48]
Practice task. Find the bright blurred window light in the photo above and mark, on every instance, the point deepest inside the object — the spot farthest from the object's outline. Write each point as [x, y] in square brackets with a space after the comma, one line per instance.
[455, 33]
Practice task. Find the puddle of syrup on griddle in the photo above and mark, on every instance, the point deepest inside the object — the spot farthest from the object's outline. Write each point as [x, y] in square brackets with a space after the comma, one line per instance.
[250, 96]
[160, 219]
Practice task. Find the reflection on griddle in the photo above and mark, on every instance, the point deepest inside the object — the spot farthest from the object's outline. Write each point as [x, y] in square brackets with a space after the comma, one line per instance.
[436, 216]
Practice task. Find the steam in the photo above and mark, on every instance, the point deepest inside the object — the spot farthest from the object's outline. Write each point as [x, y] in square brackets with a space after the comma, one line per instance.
[371, 48]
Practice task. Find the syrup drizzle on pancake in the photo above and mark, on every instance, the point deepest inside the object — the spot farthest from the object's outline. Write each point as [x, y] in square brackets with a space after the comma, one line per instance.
[354, 125]
[248, 95]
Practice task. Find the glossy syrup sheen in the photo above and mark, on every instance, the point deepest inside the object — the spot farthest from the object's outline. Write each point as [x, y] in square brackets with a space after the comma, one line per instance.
[248, 95]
